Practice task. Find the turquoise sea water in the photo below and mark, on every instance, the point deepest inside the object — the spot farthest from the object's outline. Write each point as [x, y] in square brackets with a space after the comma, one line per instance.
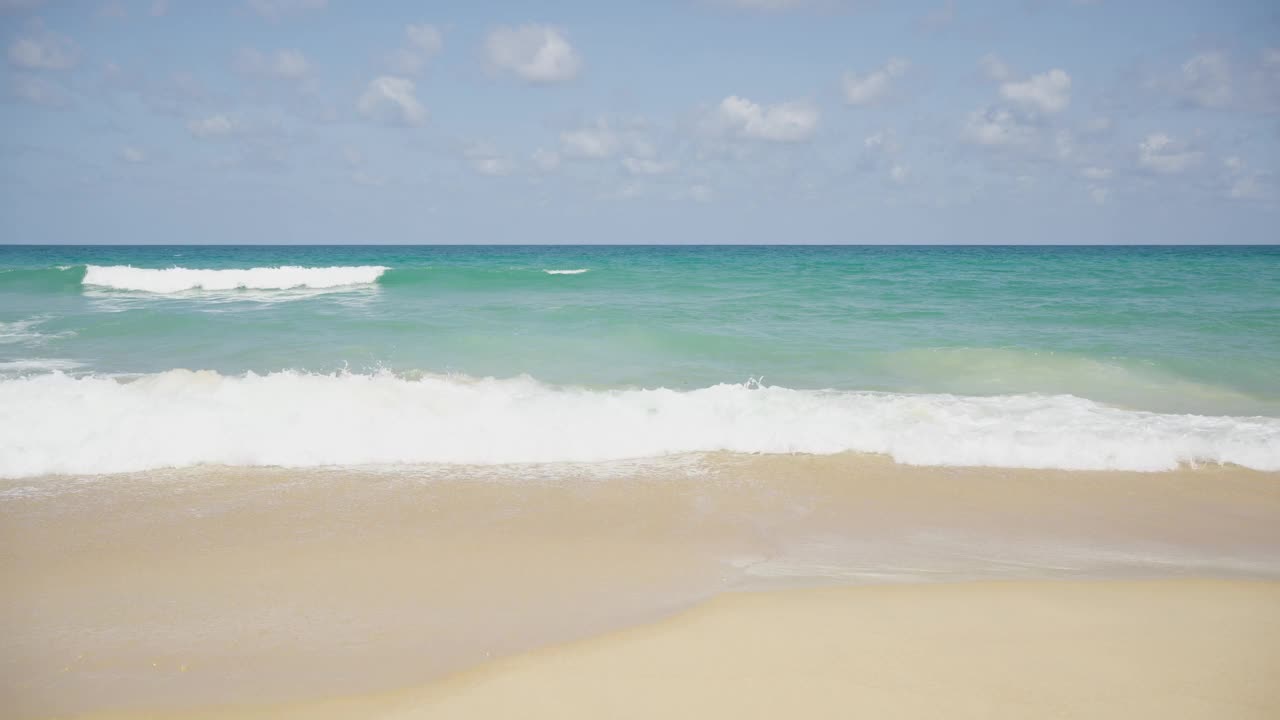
[1174, 331]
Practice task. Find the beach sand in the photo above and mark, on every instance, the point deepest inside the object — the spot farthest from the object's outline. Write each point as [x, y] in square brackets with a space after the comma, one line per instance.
[267, 591]
[1111, 649]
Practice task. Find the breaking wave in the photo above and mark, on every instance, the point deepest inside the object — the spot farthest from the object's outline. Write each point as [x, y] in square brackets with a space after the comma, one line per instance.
[59, 424]
[179, 279]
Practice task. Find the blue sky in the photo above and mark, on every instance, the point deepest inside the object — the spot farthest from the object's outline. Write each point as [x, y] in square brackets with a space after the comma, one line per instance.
[685, 121]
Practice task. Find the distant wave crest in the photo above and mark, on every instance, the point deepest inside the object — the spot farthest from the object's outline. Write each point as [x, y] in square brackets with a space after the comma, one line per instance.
[180, 279]
[578, 271]
[56, 423]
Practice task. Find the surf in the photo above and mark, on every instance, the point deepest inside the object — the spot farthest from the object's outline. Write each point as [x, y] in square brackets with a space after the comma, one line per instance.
[55, 423]
[181, 279]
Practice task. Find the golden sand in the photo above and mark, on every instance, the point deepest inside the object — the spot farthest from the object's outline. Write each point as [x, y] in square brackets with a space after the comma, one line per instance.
[202, 588]
[1018, 650]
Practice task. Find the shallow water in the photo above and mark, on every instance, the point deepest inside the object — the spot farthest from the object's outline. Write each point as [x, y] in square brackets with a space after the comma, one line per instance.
[1067, 357]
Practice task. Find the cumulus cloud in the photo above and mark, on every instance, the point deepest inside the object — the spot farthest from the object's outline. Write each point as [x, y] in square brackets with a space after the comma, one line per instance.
[1161, 153]
[1048, 92]
[997, 127]
[604, 139]
[422, 43]
[393, 100]
[40, 49]
[594, 143]
[289, 65]
[215, 126]
[535, 53]
[874, 86]
[275, 9]
[783, 122]
[132, 155]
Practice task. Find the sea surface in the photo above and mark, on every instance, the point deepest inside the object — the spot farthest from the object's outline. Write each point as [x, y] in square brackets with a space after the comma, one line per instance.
[133, 358]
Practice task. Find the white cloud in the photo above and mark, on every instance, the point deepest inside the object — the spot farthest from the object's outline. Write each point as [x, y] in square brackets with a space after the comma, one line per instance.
[290, 65]
[1160, 153]
[486, 159]
[535, 53]
[783, 122]
[546, 160]
[275, 9]
[1205, 80]
[215, 126]
[1048, 92]
[874, 86]
[424, 42]
[132, 155]
[392, 99]
[40, 49]
[899, 173]
[593, 142]
[997, 127]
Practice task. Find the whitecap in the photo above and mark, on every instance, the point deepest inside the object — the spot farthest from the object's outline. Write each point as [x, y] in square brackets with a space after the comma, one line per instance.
[55, 423]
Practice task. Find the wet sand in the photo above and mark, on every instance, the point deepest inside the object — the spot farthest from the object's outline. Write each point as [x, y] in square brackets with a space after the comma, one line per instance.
[172, 592]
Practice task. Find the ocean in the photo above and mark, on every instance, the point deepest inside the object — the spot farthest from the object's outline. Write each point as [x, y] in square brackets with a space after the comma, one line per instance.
[132, 358]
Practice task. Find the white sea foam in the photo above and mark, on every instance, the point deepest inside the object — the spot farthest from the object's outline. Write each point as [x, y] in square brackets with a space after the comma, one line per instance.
[180, 279]
[55, 423]
[578, 271]
[31, 365]
[23, 332]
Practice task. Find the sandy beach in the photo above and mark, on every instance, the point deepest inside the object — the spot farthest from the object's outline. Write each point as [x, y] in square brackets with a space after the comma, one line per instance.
[167, 594]
[1155, 649]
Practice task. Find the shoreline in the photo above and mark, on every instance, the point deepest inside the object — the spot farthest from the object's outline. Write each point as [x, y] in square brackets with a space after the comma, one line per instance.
[1014, 649]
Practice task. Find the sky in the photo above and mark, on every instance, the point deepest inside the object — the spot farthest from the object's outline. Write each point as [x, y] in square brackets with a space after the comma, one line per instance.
[669, 121]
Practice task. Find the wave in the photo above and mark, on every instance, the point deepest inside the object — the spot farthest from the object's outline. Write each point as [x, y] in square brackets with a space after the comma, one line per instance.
[58, 424]
[180, 279]
[37, 365]
[579, 271]
[24, 332]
